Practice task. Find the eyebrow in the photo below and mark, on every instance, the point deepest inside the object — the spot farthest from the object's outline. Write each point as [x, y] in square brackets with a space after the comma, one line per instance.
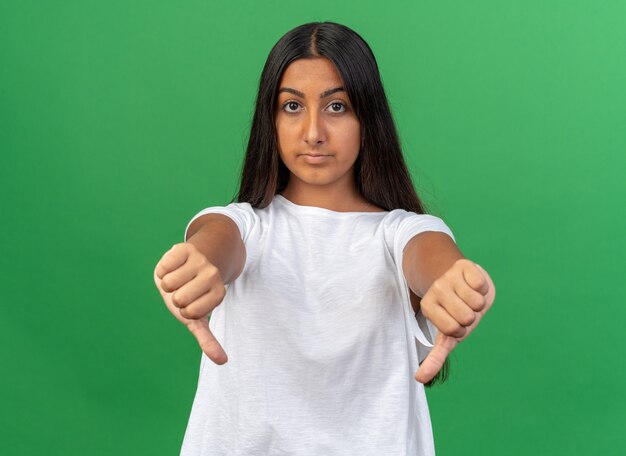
[301, 94]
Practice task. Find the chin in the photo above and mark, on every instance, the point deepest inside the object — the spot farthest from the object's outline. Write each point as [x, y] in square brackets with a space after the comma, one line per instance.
[318, 177]
[316, 180]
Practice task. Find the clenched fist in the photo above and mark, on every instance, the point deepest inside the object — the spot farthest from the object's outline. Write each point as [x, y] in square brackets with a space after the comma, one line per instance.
[454, 303]
[192, 287]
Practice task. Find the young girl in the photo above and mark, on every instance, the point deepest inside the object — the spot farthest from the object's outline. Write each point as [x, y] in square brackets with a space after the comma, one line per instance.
[326, 282]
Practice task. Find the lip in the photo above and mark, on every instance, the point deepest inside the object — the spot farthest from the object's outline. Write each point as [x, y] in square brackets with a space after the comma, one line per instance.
[316, 158]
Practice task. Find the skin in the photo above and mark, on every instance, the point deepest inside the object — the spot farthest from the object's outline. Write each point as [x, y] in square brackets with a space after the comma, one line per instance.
[308, 124]
[192, 275]
[455, 292]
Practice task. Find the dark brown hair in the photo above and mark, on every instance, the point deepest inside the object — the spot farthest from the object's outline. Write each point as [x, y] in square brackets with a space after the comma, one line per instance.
[380, 172]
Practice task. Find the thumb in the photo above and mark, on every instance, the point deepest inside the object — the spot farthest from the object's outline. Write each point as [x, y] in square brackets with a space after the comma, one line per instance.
[207, 341]
[435, 359]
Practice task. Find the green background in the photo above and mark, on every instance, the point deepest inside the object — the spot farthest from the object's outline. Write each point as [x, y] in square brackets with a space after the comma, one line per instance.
[120, 120]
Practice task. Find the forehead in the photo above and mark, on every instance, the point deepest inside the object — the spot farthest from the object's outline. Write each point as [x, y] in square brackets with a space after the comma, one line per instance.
[311, 72]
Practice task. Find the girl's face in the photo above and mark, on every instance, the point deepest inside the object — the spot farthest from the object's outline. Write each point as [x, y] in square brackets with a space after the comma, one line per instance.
[318, 133]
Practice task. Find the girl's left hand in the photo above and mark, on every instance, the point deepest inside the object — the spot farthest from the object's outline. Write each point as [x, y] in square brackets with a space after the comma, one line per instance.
[455, 304]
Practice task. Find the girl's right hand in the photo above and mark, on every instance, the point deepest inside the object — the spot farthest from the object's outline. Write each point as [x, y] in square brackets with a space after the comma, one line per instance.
[192, 287]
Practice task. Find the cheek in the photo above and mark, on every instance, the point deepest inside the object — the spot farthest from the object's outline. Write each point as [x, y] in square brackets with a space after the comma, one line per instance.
[279, 136]
[352, 139]
[283, 136]
[283, 144]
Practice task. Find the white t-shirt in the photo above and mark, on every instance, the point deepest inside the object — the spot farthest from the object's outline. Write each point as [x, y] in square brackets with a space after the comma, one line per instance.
[322, 342]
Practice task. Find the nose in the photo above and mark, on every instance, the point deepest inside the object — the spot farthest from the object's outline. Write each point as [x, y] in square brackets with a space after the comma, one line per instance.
[314, 131]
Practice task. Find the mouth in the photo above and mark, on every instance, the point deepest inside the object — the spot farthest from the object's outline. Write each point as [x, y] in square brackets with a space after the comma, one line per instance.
[315, 158]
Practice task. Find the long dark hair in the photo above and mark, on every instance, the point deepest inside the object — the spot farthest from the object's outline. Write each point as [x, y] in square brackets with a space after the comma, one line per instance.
[380, 171]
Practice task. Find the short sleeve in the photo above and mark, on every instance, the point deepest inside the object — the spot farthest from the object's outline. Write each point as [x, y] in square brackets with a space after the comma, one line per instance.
[241, 213]
[402, 226]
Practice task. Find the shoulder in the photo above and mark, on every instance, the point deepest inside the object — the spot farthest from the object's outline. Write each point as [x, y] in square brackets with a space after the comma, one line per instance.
[400, 226]
[243, 214]
[400, 218]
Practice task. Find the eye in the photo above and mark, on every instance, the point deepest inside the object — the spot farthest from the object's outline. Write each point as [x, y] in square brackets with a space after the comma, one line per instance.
[337, 107]
[290, 106]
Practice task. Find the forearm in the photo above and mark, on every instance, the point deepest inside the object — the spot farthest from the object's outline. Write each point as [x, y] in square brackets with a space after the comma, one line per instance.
[426, 258]
[217, 237]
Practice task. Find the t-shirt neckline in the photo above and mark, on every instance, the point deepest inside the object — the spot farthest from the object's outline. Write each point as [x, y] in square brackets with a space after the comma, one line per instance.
[299, 209]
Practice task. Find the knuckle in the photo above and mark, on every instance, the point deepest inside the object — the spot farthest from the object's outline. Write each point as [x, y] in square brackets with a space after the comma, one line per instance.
[468, 319]
[188, 246]
[477, 281]
[179, 300]
[176, 247]
[193, 312]
[165, 263]
[473, 300]
[479, 303]
[168, 263]
[201, 260]
[437, 286]
[207, 268]
[452, 329]
[167, 283]
[426, 307]
[158, 270]
[215, 272]
[480, 281]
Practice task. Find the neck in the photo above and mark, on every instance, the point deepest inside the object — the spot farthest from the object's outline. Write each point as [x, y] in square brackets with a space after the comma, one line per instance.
[334, 197]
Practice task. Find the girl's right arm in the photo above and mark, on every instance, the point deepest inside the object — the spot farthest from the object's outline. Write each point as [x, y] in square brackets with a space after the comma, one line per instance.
[217, 237]
[191, 276]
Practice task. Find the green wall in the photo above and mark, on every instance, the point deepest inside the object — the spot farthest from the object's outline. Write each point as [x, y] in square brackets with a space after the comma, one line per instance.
[120, 120]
